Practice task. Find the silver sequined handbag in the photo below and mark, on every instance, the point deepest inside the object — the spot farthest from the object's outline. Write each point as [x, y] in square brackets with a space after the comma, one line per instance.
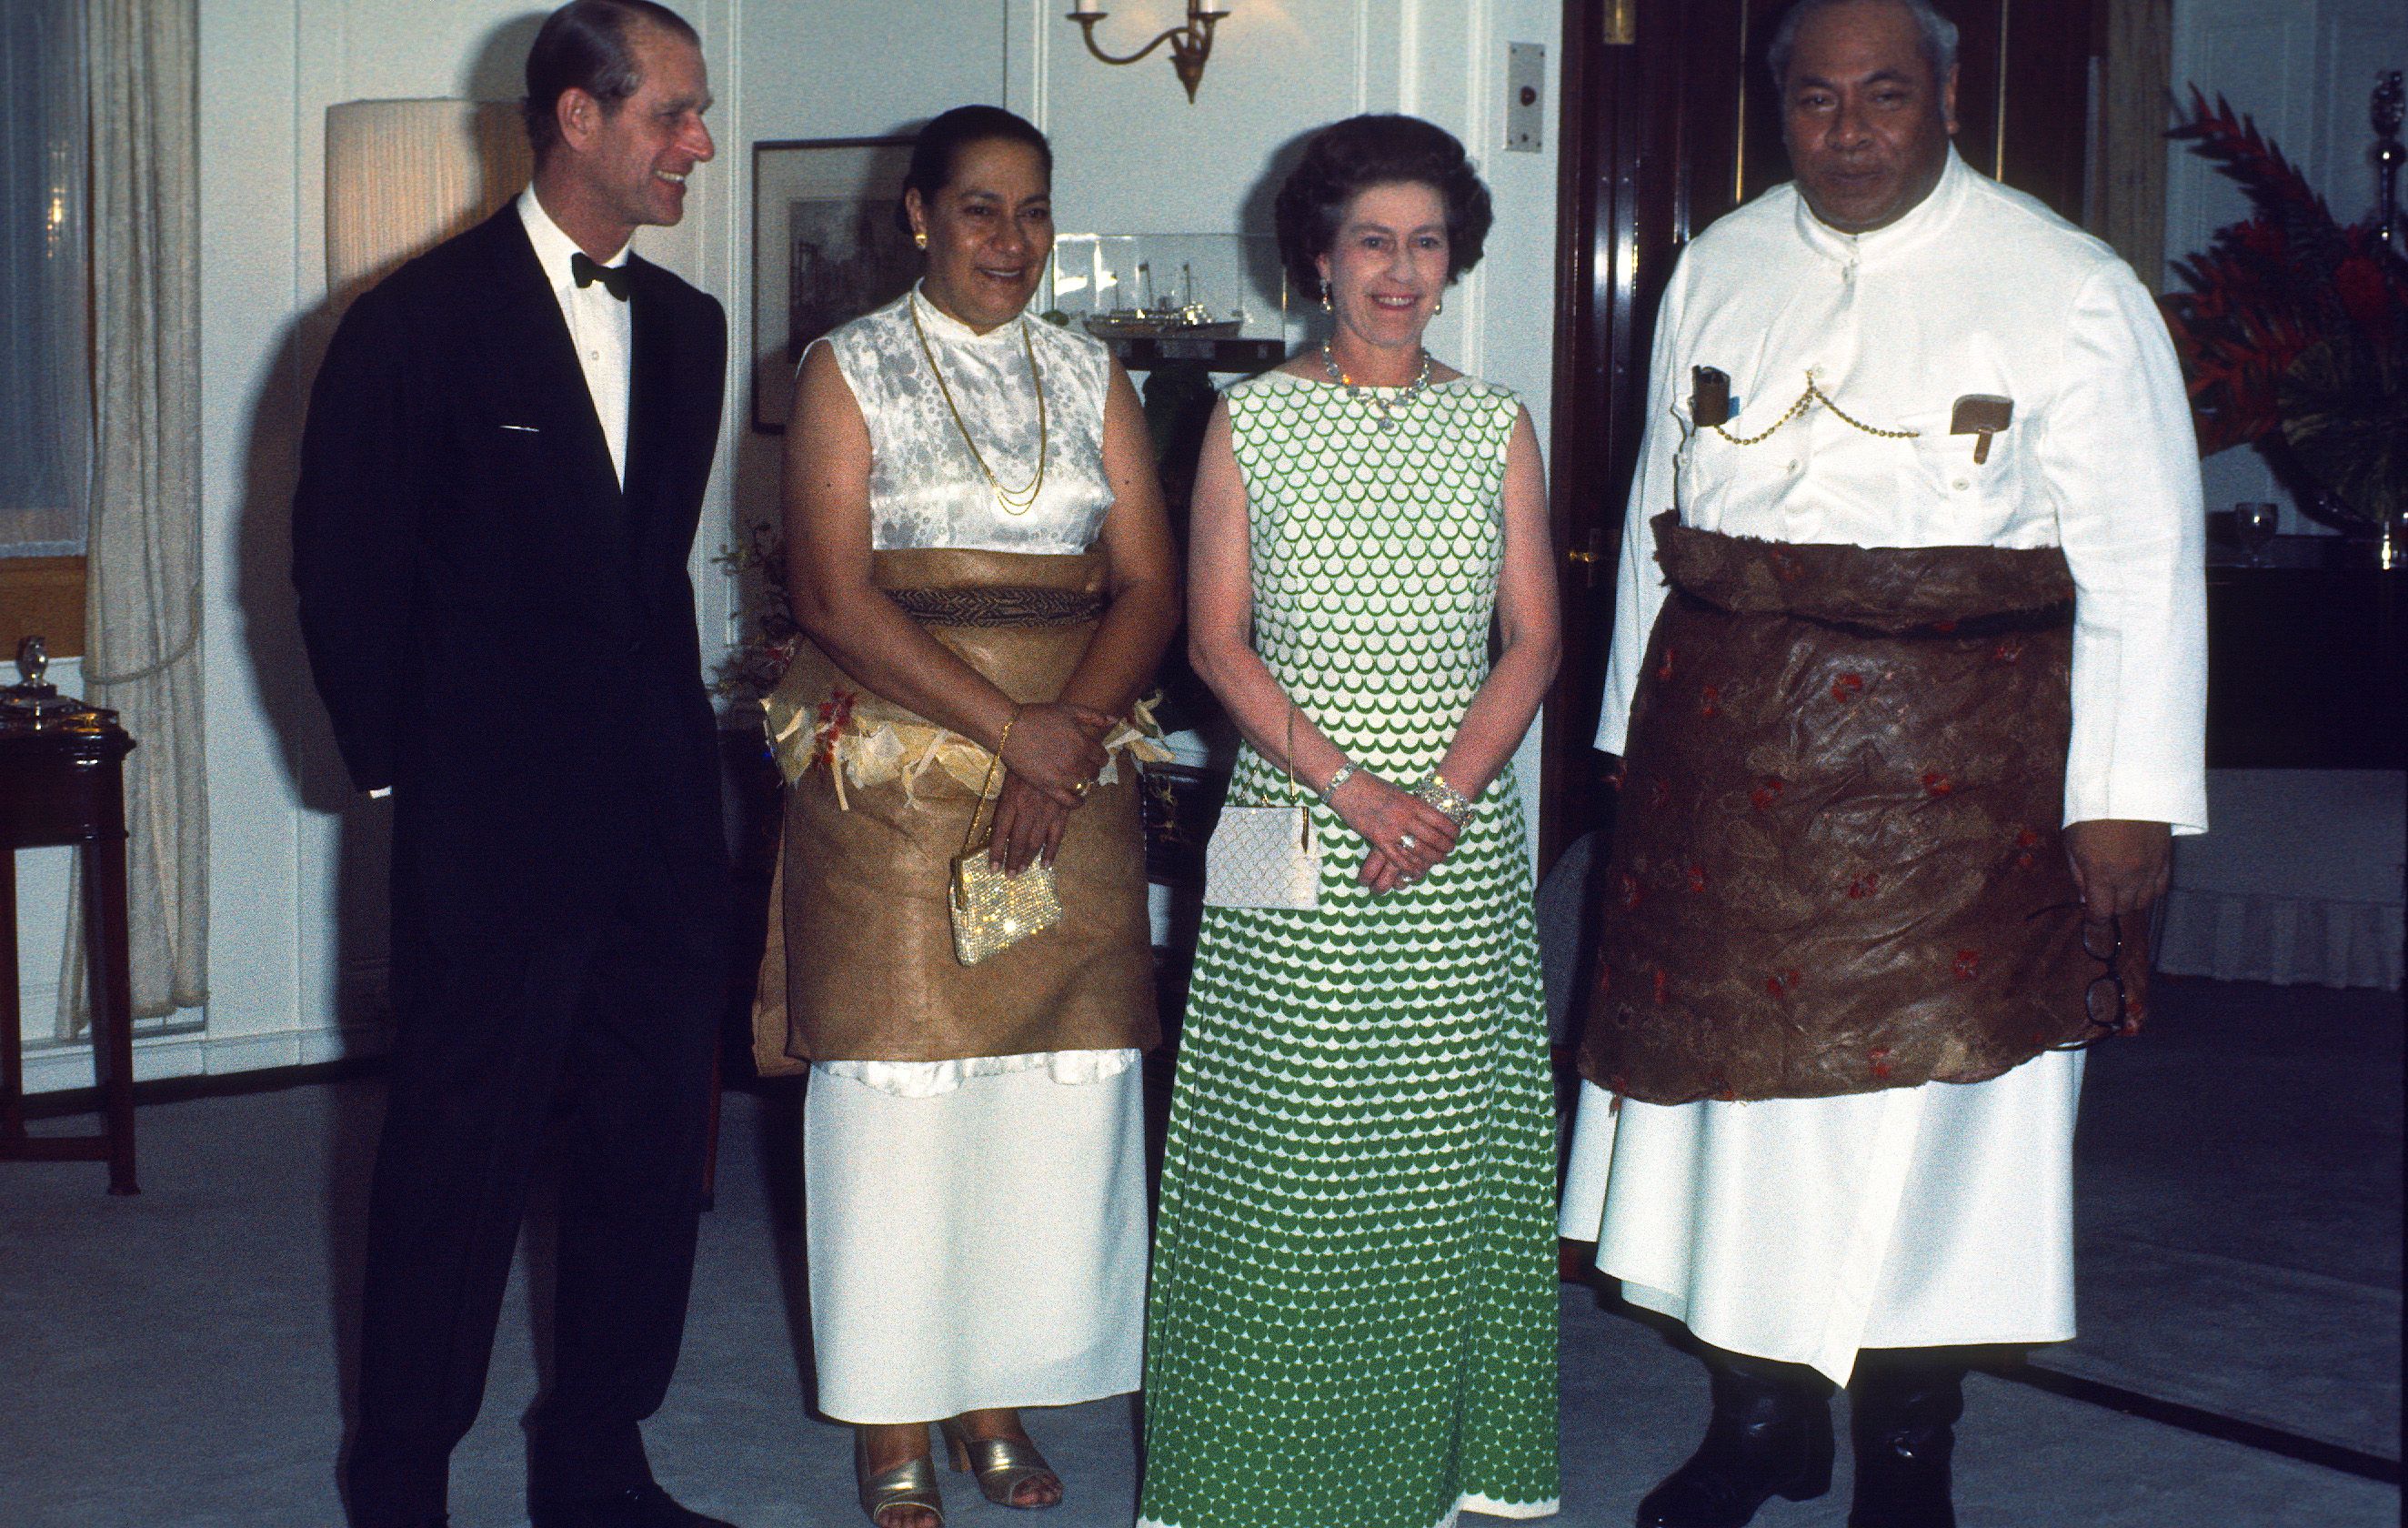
[1263, 856]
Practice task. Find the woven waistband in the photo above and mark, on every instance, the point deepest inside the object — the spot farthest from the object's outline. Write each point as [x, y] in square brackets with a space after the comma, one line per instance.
[990, 607]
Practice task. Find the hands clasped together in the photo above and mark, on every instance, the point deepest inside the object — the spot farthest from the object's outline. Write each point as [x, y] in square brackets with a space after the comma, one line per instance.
[1051, 758]
[1408, 835]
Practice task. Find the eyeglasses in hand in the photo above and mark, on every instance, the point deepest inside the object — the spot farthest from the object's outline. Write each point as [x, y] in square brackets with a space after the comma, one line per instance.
[2105, 1002]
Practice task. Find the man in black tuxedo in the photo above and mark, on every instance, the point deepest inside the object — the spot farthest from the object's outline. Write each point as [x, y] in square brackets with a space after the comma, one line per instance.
[504, 465]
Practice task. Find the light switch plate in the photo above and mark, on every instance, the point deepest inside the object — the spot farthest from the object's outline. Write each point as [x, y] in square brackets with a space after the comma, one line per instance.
[1526, 96]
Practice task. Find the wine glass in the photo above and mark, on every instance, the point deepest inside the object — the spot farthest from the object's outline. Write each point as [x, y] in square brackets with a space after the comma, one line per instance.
[2254, 524]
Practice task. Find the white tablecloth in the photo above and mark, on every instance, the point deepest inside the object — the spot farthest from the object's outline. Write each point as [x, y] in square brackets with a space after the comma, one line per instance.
[2298, 880]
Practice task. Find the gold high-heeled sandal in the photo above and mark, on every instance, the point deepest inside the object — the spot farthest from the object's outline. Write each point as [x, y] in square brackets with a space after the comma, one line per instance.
[1000, 1466]
[911, 1483]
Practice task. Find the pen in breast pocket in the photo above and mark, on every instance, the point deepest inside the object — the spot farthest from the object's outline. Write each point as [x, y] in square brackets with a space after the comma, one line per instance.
[1709, 398]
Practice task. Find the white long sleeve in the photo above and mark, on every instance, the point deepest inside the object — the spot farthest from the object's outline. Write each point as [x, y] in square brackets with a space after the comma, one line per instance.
[2120, 458]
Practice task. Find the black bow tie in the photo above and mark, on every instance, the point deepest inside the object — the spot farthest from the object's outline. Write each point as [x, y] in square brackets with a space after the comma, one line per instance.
[588, 270]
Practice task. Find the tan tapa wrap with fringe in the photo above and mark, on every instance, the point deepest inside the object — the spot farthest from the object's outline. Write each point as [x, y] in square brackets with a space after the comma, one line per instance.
[1837, 863]
[860, 963]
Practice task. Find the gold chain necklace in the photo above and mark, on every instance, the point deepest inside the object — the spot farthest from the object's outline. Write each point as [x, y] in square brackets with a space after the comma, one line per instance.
[1013, 500]
[1806, 400]
[1385, 408]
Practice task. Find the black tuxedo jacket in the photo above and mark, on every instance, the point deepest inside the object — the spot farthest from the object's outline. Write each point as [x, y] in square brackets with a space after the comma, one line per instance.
[499, 632]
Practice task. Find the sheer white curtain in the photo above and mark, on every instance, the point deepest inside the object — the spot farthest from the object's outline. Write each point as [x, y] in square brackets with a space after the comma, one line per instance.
[142, 631]
[45, 366]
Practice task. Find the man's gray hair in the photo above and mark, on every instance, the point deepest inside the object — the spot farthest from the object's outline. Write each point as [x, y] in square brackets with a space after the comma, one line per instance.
[1935, 33]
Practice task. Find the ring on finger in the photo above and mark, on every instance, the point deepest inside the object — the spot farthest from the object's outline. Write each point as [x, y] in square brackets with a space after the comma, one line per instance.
[1080, 788]
[1408, 843]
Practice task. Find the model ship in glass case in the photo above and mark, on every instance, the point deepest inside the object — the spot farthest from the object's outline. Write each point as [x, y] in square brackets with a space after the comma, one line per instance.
[1162, 296]
[1155, 317]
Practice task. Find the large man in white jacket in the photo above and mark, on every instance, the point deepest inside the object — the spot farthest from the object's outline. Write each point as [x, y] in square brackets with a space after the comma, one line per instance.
[1910, 693]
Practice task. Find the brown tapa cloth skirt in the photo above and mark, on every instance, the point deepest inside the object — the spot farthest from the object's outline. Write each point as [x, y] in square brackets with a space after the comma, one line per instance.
[860, 964]
[1837, 862]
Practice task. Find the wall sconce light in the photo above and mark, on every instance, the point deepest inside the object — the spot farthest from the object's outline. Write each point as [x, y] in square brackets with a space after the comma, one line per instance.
[1190, 45]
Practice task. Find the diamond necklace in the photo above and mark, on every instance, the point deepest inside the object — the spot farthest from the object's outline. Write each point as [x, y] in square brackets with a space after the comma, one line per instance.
[1014, 501]
[1386, 408]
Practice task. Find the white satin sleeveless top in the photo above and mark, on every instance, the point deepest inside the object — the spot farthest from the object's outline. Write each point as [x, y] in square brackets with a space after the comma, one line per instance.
[925, 486]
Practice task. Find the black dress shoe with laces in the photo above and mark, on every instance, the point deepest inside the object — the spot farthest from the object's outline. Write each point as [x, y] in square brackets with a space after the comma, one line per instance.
[1903, 1406]
[1769, 1435]
[640, 1506]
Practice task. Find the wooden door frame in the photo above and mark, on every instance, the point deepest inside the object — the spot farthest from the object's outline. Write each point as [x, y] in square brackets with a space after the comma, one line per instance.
[1634, 134]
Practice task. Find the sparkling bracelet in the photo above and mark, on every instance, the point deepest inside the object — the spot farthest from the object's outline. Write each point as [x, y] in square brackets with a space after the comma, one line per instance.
[1338, 777]
[1449, 803]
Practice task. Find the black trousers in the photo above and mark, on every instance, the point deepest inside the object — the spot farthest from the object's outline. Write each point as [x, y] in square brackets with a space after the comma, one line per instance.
[605, 1032]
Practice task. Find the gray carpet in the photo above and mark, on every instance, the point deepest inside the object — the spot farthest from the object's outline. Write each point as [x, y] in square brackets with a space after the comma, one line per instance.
[2239, 1210]
[174, 1359]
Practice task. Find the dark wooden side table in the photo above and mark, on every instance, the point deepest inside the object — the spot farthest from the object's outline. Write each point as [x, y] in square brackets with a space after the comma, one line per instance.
[2307, 658]
[64, 784]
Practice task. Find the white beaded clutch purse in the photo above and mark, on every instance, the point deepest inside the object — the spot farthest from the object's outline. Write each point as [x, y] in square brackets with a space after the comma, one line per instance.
[1263, 856]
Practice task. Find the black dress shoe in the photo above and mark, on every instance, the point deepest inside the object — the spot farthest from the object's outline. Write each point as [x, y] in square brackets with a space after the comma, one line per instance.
[1904, 1404]
[1769, 1435]
[640, 1506]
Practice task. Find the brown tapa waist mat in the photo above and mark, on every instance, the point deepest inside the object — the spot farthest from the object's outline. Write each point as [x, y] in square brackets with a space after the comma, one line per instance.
[860, 901]
[1837, 865]
[1935, 589]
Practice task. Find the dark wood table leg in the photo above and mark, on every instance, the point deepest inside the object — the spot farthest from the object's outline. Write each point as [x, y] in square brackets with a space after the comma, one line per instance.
[112, 988]
[13, 1019]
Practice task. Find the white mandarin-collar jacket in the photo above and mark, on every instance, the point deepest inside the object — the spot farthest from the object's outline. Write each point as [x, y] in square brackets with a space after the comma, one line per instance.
[1978, 290]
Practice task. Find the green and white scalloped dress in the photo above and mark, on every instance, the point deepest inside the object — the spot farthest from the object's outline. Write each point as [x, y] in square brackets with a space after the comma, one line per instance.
[1354, 1312]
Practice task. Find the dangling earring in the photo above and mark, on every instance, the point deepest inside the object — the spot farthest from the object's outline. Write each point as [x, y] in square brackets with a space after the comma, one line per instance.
[1326, 306]
[1437, 307]
[919, 240]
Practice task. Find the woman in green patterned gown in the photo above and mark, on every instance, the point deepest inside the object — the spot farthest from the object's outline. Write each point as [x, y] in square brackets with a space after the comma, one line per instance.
[1353, 1313]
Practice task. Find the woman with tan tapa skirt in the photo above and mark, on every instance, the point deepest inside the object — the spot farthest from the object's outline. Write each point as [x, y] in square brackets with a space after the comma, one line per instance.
[978, 557]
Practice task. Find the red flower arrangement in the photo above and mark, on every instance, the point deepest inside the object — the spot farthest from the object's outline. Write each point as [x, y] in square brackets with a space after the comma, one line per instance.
[2294, 331]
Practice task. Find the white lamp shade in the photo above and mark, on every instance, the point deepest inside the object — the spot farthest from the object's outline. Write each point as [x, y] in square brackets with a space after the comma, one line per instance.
[404, 176]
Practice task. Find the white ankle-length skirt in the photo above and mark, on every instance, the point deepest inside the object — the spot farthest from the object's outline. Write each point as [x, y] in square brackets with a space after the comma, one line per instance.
[1802, 1229]
[980, 1246]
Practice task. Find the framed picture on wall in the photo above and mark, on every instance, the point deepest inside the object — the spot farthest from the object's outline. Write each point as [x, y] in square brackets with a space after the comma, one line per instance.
[827, 246]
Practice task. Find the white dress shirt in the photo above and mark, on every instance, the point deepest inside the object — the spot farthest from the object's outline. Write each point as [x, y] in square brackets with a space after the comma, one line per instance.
[599, 324]
[1977, 290]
